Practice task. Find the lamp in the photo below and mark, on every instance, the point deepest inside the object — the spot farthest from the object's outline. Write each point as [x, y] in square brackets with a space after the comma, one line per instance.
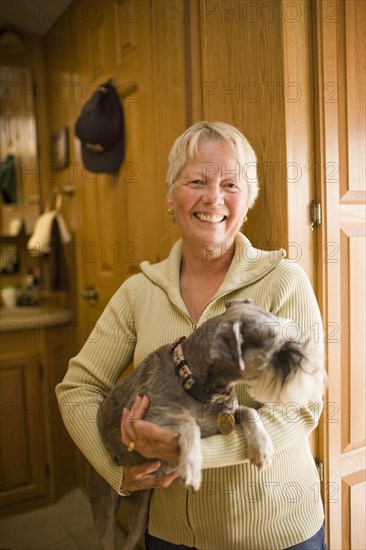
[11, 43]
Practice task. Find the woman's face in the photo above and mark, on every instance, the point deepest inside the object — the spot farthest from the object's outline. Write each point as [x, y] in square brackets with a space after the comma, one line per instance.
[210, 196]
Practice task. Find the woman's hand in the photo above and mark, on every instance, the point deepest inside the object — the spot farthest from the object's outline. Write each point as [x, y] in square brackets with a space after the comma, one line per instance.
[149, 440]
[143, 477]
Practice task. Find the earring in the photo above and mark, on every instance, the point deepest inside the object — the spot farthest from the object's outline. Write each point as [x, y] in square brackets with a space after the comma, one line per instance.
[245, 219]
[170, 212]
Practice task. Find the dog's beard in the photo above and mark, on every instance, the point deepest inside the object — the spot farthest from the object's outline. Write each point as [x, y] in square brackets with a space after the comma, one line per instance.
[268, 383]
[270, 388]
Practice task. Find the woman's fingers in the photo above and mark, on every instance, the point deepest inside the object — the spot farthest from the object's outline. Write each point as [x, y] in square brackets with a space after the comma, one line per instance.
[153, 441]
[141, 407]
[149, 439]
[131, 416]
[162, 482]
[144, 470]
[163, 436]
[147, 468]
[138, 408]
[127, 428]
[143, 477]
[139, 476]
[125, 434]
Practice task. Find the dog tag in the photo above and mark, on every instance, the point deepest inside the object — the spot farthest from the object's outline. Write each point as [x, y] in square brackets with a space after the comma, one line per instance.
[225, 423]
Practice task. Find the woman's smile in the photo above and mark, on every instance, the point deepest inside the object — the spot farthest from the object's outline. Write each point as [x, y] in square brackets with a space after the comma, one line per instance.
[211, 218]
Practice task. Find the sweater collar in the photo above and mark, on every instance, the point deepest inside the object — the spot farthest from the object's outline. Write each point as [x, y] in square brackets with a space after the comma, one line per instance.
[249, 264]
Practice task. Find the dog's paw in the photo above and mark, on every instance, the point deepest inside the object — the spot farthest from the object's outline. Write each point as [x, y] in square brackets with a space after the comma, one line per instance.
[189, 469]
[190, 462]
[260, 453]
[260, 447]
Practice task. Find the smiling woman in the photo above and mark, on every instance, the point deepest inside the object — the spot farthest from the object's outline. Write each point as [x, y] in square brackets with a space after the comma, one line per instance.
[209, 194]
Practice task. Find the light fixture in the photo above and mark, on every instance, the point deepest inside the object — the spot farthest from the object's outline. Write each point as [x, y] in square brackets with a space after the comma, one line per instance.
[11, 43]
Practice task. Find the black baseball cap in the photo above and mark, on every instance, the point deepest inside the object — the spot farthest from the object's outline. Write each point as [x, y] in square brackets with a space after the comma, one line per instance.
[100, 128]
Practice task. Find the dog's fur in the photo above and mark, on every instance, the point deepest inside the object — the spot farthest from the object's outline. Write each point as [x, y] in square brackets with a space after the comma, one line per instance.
[245, 344]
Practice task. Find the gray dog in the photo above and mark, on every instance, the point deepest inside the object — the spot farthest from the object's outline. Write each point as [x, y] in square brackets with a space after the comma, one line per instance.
[191, 388]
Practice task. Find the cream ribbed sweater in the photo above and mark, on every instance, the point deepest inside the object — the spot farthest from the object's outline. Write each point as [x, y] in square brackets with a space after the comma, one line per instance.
[237, 507]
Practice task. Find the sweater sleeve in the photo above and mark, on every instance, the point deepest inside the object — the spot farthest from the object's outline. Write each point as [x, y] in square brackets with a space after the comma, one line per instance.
[294, 299]
[91, 374]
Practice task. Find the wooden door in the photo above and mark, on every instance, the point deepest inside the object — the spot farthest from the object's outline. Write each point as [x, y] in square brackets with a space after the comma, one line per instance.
[341, 149]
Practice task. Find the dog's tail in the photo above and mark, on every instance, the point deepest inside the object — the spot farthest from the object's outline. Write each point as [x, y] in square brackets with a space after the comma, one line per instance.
[104, 501]
[138, 515]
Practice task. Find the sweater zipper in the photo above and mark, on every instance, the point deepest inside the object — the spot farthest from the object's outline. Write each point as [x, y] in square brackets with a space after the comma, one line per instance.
[195, 325]
[187, 517]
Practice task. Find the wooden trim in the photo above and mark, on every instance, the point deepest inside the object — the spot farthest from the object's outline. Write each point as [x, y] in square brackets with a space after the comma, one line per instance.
[325, 122]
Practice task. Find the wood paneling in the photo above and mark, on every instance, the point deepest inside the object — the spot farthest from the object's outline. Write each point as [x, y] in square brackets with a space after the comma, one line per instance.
[354, 72]
[243, 84]
[169, 58]
[299, 121]
[353, 299]
[126, 24]
[358, 514]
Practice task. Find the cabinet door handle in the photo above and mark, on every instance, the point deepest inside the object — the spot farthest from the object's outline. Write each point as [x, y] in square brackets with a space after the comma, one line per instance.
[90, 294]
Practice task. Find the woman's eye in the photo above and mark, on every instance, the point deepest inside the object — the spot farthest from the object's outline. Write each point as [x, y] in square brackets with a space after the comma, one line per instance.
[197, 181]
[232, 186]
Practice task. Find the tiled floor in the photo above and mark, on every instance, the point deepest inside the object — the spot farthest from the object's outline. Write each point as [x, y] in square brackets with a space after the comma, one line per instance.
[65, 525]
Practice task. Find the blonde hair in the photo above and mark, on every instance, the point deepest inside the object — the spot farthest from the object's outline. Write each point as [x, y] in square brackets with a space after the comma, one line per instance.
[186, 147]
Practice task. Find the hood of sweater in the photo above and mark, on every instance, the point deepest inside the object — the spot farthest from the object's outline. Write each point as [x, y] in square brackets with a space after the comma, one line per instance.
[248, 265]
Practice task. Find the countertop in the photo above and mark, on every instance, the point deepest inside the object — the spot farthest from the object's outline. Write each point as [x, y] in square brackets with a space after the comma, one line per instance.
[25, 317]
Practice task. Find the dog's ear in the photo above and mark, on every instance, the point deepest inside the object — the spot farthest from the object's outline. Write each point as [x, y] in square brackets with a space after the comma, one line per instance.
[226, 343]
[238, 302]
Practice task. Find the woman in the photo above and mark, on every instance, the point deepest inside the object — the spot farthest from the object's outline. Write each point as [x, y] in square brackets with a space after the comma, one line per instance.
[212, 184]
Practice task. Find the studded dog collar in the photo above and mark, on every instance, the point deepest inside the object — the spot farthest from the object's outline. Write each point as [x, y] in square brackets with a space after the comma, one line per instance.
[225, 420]
[190, 383]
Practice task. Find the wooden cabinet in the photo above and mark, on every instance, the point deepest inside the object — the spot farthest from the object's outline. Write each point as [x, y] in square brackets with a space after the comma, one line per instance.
[23, 443]
[37, 454]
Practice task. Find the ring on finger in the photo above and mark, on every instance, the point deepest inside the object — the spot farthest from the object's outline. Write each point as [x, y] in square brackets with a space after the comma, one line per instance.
[131, 446]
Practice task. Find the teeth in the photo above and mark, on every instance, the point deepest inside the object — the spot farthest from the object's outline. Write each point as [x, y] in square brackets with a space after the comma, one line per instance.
[214, 219]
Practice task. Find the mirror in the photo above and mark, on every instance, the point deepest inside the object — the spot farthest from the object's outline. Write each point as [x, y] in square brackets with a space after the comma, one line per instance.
[19, 169]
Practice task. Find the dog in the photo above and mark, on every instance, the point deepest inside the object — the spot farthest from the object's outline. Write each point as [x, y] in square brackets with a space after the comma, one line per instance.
[246, 344]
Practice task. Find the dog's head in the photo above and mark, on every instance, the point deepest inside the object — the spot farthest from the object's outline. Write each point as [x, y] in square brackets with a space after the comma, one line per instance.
[275, 363]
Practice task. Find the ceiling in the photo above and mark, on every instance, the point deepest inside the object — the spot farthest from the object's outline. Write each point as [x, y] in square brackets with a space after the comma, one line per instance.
[31, 16]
